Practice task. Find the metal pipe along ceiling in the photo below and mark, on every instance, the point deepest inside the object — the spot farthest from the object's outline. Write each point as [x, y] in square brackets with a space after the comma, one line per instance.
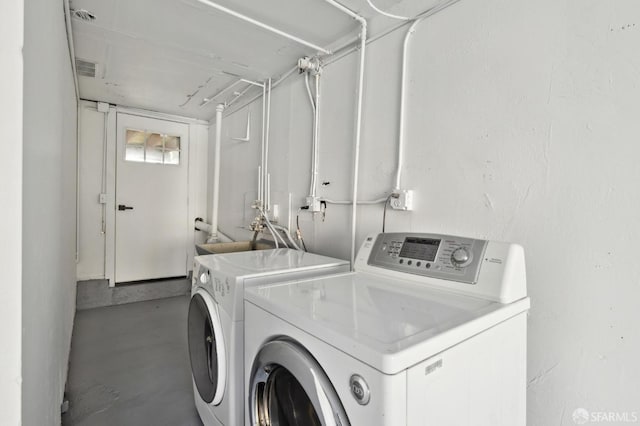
[275, 84]
[264, 26]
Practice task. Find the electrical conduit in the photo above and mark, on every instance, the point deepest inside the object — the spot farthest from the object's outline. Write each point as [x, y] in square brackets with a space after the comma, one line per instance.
[356, 153]
[315, 105]
[403, 96]
[267, 177]
[264, 187]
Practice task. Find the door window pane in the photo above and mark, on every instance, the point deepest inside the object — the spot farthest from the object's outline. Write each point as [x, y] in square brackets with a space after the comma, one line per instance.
[149, 147]
[288, 402]
[172, 150]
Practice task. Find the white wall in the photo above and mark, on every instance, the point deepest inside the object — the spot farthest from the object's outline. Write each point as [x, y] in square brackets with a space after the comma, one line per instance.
[49, 212]
[91, 261]
[289, 162]
[92, 244]
[521, 127]
[11, 42]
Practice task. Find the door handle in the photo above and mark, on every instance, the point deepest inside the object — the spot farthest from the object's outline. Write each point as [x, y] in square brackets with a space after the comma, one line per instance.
[122, 207]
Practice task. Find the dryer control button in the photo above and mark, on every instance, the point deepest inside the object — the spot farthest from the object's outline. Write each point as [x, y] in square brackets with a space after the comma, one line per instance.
[461, 257]
[360, 389]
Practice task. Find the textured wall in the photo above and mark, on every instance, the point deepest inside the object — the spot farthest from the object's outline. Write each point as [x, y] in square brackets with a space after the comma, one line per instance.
[91, 261]
[11, 42]
[49, 212]
[521, 127]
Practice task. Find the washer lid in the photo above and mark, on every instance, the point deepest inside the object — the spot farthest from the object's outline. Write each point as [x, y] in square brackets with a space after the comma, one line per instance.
[266, 262]
[389, 324]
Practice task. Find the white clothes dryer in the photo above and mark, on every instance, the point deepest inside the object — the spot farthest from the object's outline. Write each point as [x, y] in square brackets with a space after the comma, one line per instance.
[216, 318]
[428, 330]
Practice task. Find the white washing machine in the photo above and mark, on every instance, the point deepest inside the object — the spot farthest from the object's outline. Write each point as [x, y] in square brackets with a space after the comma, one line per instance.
[428, 330]
[215, 321]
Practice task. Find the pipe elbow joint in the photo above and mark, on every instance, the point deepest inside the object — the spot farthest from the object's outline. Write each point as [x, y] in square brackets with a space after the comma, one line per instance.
[363, 27]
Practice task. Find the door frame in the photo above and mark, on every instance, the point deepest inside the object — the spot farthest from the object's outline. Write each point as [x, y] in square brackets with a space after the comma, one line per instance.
[110, 170]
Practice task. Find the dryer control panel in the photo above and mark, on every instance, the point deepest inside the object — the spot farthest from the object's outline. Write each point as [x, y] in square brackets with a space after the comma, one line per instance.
[491, 270]
[430, 255]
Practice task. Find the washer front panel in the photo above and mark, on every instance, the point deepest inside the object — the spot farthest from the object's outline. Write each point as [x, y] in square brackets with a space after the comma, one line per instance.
[206, 348]
[429, 255]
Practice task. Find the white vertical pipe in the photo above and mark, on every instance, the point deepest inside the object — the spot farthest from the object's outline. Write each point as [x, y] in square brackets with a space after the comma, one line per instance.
[260, 190]
[356, 156]
[262, 157]
[356, 149]
[268, 200]
[316, 142]
[216, 173]
[313, 140]
[103, 183]
[266, 148]
[403, 96]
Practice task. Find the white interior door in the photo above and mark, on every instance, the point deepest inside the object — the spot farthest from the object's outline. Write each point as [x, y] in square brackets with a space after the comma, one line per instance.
[151, 198]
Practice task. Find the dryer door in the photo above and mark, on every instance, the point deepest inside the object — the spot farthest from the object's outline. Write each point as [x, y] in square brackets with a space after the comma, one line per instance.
[206, 347]
[288, 387]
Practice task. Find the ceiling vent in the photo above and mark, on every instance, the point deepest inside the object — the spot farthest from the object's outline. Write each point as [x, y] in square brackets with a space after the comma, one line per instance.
[83, 15]
[85, 68]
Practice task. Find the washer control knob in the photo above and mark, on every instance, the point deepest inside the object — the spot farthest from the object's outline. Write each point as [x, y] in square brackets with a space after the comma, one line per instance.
[360, 389]
[204, 278]
[460, 257]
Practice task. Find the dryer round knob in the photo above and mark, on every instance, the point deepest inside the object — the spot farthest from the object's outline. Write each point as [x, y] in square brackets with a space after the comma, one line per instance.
[204, 278]
[460, 257]
[359, 389]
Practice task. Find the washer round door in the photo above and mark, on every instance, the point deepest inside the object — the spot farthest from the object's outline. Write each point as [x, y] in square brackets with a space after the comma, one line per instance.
[289, 388]
[206, 347]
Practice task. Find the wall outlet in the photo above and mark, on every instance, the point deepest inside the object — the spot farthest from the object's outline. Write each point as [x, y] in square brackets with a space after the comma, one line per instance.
[404, 200]
[314, 204]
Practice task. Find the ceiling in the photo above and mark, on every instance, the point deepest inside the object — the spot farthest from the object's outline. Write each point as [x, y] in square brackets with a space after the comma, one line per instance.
[171, 55]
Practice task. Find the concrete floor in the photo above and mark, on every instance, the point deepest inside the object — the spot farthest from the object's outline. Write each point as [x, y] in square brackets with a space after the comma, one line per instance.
[97, 293]
[130, 366]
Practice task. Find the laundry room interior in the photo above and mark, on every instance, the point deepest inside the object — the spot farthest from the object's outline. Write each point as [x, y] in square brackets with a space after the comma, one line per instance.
[147, 140]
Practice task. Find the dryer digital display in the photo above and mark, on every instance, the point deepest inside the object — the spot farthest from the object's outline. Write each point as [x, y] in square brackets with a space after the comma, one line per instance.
[420, 248]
